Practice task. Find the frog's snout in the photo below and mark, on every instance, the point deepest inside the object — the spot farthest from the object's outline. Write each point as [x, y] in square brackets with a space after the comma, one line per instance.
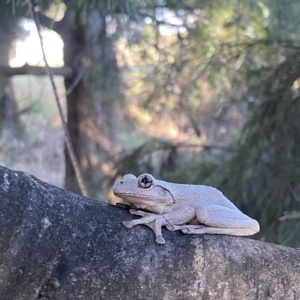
[118, 186]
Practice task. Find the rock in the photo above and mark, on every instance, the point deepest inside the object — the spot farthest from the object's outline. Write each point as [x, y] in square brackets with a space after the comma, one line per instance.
[57, 245]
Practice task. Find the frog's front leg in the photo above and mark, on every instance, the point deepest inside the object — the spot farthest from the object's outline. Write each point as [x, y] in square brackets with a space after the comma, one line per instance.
[155, 222]
[146, 218]
[177, 214]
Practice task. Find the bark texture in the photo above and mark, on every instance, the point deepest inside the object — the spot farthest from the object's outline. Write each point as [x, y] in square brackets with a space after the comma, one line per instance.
[57, 245]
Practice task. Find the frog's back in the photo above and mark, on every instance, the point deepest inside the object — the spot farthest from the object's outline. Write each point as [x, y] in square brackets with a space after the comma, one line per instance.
[197, 195]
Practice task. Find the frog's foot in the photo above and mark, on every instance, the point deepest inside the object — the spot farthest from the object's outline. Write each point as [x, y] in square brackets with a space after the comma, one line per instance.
[156, 227]
[193, 229]
[153, 221]
[128, 224]
[172, 227]
[160, 240]
[188, 229]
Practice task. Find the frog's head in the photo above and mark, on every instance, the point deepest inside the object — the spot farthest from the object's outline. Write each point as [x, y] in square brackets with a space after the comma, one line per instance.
[143, 191]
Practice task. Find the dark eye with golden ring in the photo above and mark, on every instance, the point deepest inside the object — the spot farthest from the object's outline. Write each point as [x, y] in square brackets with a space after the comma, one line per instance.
[145, 182]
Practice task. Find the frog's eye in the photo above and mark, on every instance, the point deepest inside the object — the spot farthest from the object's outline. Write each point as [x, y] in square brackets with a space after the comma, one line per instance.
[145, 181]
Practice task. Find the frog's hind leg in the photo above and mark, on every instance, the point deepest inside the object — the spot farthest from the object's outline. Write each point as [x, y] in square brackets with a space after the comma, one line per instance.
[201, 229]
[216, 219]
[223, 220]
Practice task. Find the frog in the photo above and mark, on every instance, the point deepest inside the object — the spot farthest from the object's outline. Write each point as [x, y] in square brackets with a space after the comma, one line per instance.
[190, 208]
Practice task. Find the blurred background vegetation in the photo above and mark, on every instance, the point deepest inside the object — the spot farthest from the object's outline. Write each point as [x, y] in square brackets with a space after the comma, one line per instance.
[201, 92]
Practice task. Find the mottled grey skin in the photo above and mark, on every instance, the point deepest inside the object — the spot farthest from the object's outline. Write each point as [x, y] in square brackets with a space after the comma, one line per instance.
[204, 208]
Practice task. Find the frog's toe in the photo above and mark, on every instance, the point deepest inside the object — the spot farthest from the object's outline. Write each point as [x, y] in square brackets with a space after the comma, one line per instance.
[185, 230]
[160, 240]
[127, 224]
[139, 212]
[170, 227]
[189, 230]
[173, 227]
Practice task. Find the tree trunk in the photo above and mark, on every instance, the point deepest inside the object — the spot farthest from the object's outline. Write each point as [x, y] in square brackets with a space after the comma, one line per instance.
[93, 96]
[58, 245]
[9, 121]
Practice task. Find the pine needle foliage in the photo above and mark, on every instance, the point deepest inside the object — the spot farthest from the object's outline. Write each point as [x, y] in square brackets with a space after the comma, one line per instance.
[262, 176]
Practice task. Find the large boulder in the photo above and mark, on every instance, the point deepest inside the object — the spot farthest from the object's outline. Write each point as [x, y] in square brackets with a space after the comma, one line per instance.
[57, 245]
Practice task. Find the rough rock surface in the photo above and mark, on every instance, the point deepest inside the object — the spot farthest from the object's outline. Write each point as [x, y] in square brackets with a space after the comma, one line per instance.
[57, 245]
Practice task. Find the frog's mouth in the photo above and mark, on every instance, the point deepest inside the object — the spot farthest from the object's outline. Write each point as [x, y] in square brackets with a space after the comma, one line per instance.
[147, 200]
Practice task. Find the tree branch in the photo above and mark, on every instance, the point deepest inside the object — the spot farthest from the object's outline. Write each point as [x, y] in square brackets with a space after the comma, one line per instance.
[65, 71]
